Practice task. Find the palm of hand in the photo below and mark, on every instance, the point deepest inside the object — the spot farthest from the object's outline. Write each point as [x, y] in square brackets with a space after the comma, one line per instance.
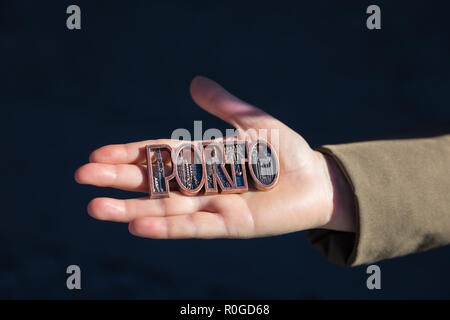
[302, 198]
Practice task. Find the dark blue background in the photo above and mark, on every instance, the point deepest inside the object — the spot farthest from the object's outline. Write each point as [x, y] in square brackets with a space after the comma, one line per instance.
[125, 76]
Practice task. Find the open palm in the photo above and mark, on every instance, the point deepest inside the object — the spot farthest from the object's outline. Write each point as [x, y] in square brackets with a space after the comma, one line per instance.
[306, 195]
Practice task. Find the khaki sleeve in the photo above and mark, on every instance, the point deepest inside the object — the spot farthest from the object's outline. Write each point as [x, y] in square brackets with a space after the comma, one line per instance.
[402, 198]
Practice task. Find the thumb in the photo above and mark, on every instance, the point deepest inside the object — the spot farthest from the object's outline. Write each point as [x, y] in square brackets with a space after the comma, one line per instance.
[211, 97]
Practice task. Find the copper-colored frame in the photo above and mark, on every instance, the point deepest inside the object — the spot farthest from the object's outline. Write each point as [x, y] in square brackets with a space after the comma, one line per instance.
[183, 189]
[243, 188]
[258, 184]
[216, 181]
[152, 194]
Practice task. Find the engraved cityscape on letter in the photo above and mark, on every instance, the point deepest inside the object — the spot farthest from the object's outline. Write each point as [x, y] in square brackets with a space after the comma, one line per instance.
[263, 165]
[157, 170]
[189, 173]
[158, 178]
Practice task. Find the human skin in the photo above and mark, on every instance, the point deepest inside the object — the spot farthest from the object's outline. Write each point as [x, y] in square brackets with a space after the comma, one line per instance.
[311, 191]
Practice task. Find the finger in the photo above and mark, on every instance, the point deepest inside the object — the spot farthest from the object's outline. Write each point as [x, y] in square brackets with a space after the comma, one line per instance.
[132, 153]
[216, 100]
[200, 224]
[127, 177]
[119, 210]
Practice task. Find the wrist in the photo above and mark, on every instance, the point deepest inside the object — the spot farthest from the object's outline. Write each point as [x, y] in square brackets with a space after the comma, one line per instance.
[342, 216]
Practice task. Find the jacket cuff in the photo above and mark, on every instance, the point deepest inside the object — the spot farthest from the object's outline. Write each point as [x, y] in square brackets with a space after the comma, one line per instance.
[401, 199]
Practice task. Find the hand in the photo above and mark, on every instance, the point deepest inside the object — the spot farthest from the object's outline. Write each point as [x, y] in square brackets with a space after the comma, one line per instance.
[311, 191]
